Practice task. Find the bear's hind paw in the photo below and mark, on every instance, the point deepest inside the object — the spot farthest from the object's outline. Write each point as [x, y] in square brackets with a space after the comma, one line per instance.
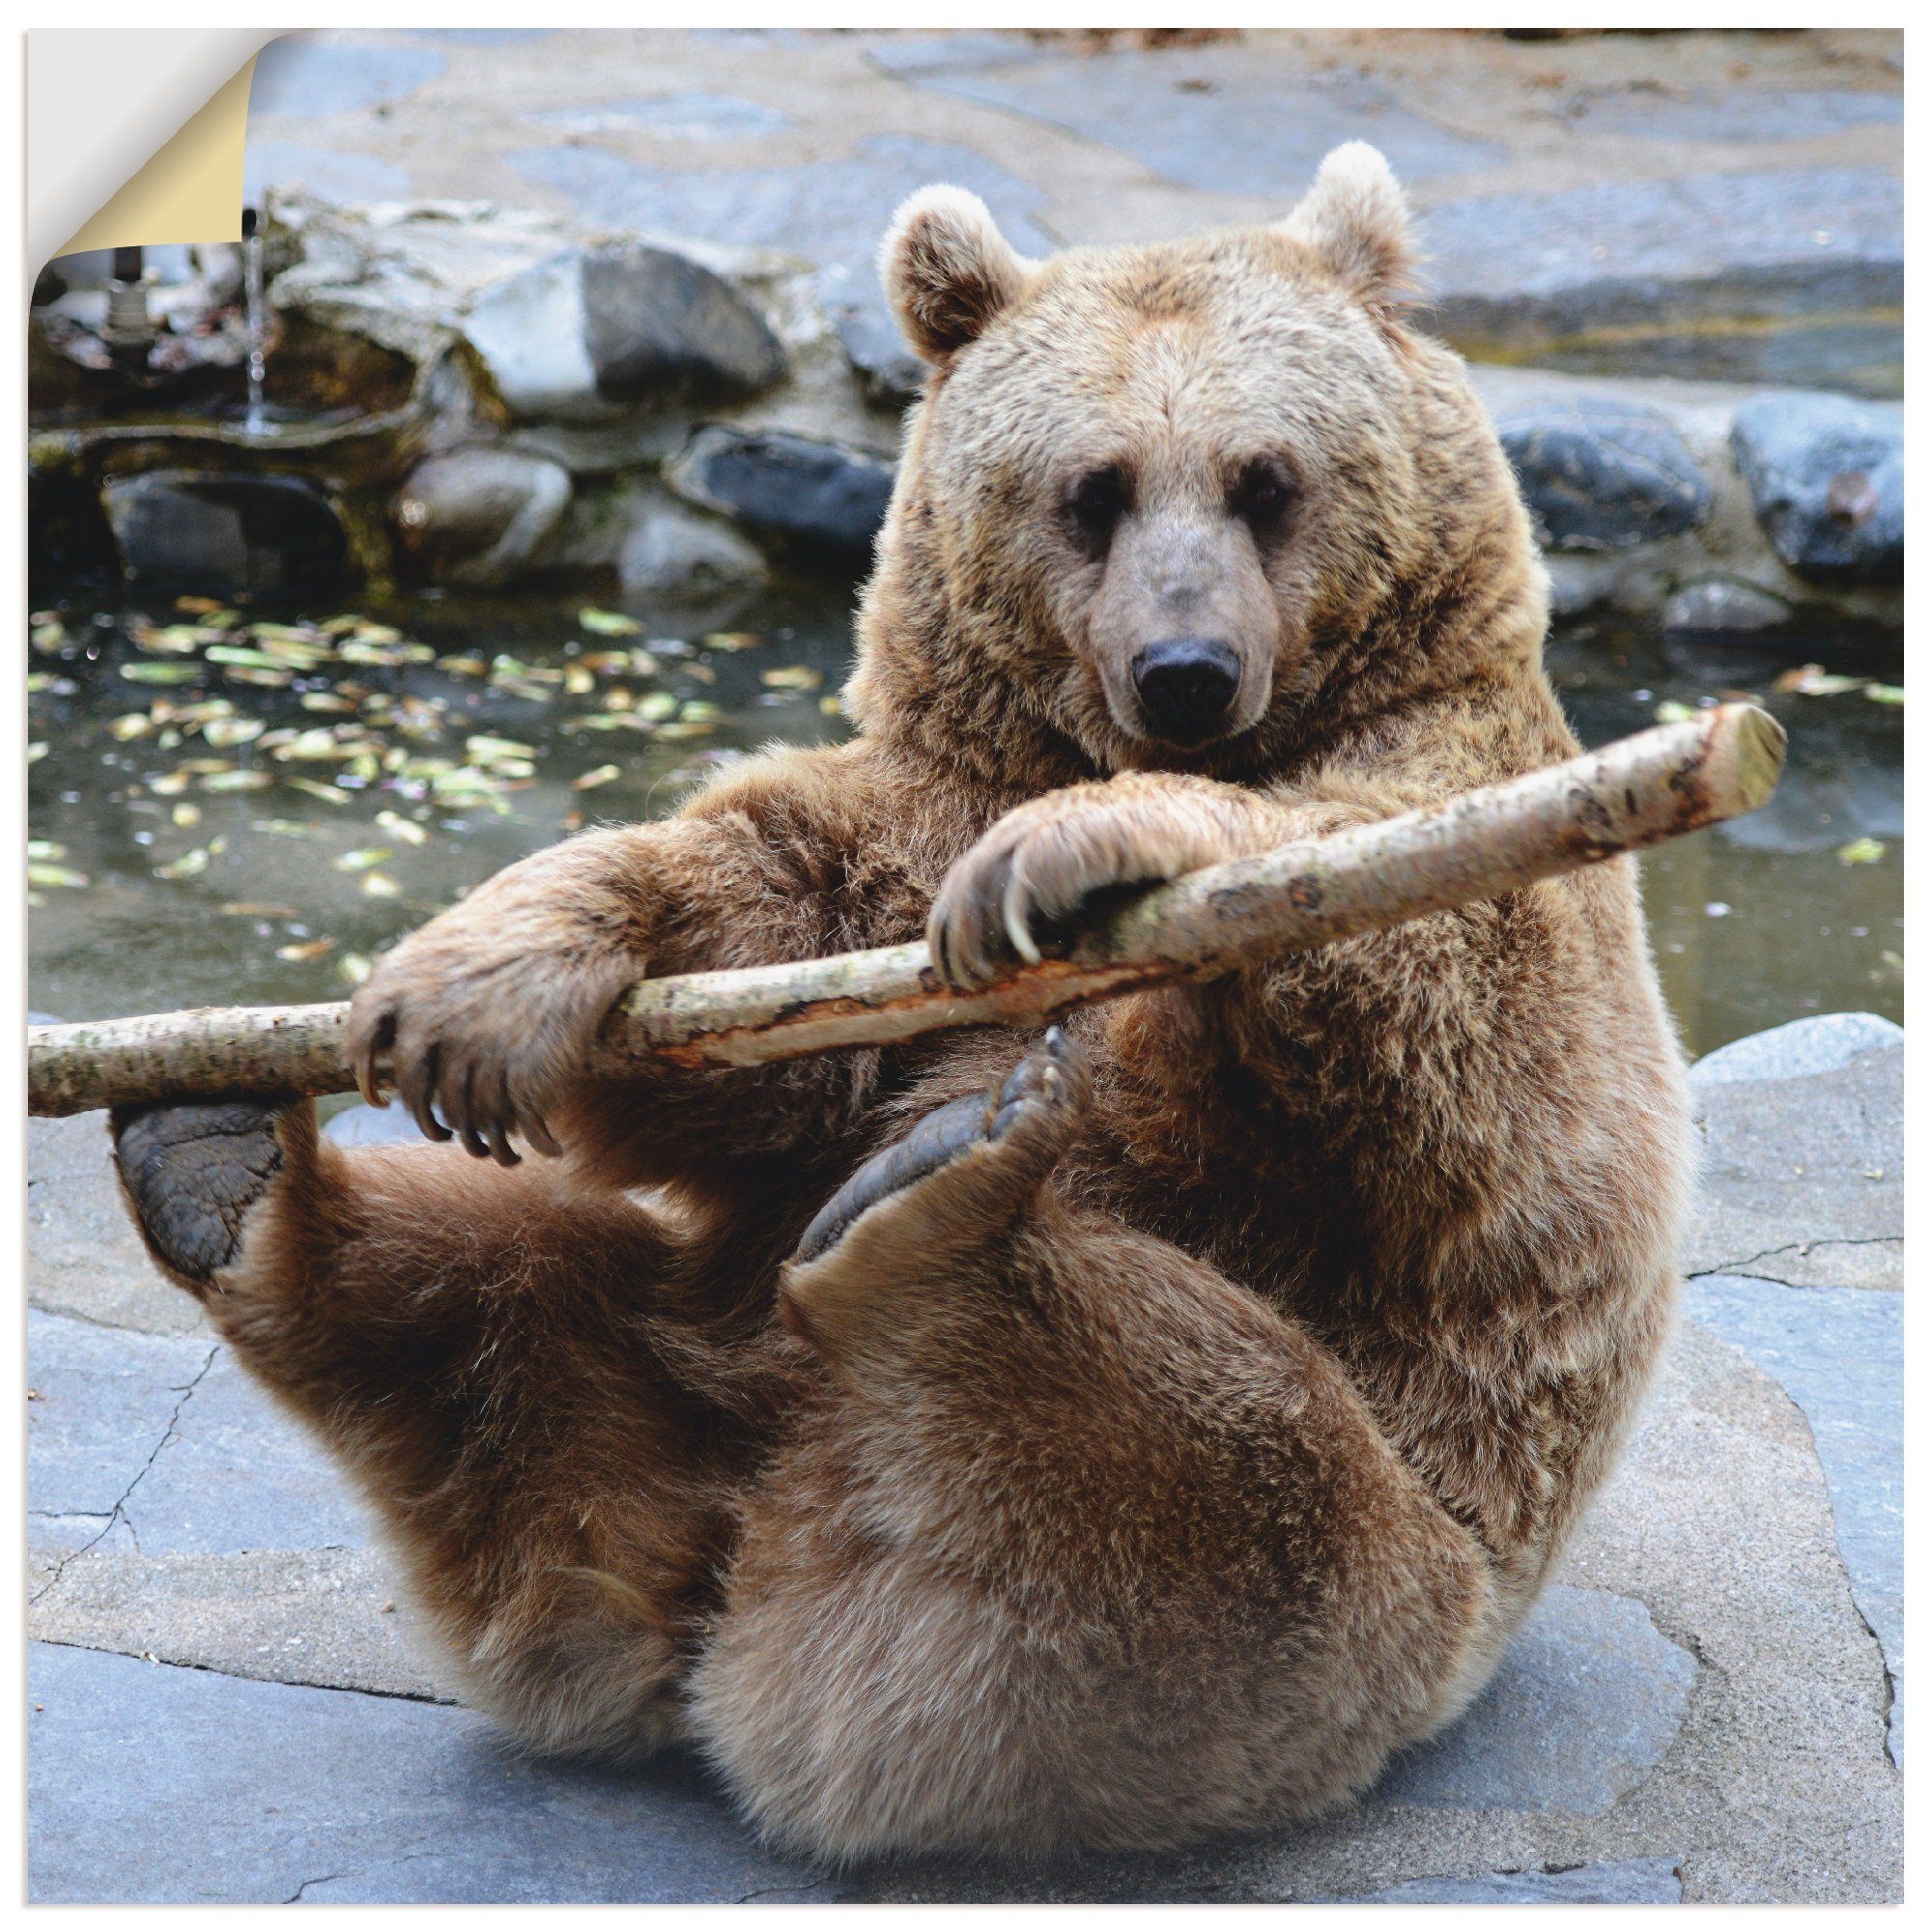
[191, 1172]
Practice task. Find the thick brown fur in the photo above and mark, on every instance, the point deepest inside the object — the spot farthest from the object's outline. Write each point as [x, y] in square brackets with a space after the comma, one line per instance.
[1196, 1432]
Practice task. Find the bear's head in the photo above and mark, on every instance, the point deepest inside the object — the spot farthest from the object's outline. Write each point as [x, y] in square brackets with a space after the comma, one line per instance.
[1184, 507]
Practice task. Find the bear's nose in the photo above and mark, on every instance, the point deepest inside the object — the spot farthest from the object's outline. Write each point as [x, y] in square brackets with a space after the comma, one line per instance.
[1185, 687]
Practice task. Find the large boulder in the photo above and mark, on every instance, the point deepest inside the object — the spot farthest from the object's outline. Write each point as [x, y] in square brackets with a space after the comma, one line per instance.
[216, 531]
[481, 516]
[822, 495]
[588, 334]
[1600, 474]
[1826, 476]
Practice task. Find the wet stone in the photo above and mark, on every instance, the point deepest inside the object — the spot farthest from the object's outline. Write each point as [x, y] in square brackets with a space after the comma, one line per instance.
[670, 551]
[1586, 1700]
[586, 336]
[481, 516]
[791, 486]
[222, 532]
[1826, 476]
[1628, 1882]
[890, 375]
[332, 1797]
[1839, 1354]
[1717, 604]
[1598, 474]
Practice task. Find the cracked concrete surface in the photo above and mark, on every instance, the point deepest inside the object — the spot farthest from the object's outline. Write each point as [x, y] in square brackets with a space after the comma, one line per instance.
[227, 1702]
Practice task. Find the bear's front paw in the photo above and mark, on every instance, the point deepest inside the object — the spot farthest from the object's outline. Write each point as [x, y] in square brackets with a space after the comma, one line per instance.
[478, 1045]
[1048, 858]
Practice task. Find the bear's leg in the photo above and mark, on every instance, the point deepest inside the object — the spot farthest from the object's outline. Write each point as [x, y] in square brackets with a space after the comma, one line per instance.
[1079, 1542]
[492, 1356]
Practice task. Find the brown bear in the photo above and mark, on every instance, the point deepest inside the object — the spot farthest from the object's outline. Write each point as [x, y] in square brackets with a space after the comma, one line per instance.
[1102, 1439]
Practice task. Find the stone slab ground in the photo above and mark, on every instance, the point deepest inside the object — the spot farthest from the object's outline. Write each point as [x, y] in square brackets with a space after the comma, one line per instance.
[1598, 201]
[226, 1703]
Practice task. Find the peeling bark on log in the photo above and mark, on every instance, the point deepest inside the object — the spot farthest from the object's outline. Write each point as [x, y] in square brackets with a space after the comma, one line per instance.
[1634, 793]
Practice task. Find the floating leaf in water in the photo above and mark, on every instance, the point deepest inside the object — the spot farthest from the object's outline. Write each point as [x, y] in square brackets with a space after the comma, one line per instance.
[187, 814]
[200, 606]
[608, 623]
[315, 790]
[241, 654]
[655, 706]
[131, 724]
[37, 682]
[353, 968]
[255, 909]
[169, 783]
[272, 680]
[685, 728]
[42, 873]
[362, 859]
[48, 635]
[379, 885]
[578, 681]
[601, 776]
[405, 829]
[45, 848]
[249, 781]
[484, 750]
[188, 866]
[36, 752]
[832, 704]
[607, 664]
[701, 711]
[792, 677]
[304, 950]
[1814, 681]
[1672, 712]
[1886, 693]
[463, 667]
[165, 672]
[1862, 852]
[733, 641]
[221, 732]
[173, 640]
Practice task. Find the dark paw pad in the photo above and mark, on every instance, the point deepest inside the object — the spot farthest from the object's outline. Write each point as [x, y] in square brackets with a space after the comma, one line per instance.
[1038, 1104]
[941, 1137]
[193, 1172]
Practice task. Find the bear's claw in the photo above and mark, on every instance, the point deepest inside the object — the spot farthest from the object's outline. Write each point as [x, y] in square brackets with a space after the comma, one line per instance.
[1034, 1113]
[191, 1172]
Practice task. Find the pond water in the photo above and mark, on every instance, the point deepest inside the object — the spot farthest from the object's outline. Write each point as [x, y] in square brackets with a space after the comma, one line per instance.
[244, 806]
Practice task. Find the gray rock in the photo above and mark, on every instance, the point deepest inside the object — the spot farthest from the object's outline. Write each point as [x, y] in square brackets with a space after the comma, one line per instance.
[822, 495]
[151, 1784]
[364, 1126]
[83, 1255]
[168, 1433]
[1600, 474]
[224, 531]
[1840, 1355]
[890, 375]
[1717, 604]
[1630, 1882]
[1803, 1131]
[307, 76]
[670, 551]
[1827, 475]
[588, 334]
[1587, 1699]
[336, 1618]
[481, 516]
[1800, 1050]
[693, 115]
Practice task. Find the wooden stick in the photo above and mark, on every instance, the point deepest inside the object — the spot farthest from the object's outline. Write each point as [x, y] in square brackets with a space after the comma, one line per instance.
[1643, 789]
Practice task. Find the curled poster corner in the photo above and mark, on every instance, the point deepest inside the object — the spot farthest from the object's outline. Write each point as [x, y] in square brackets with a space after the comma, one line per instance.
[135, 137]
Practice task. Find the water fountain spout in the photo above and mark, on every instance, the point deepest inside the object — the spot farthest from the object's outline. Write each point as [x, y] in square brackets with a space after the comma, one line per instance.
[130, 331]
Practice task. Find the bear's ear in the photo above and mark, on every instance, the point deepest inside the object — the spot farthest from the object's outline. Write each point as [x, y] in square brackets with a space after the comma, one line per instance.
[948, 271]
[1355, 222]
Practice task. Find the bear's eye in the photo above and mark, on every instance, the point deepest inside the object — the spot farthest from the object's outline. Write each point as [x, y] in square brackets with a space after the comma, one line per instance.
[1263, 494]
[1095, 504]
